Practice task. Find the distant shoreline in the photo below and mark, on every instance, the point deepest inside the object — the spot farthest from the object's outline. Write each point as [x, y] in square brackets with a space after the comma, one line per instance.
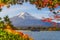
[30, 31]
[39, 29]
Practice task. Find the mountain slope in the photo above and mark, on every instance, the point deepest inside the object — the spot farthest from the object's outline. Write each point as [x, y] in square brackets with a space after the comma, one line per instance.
[25, 19]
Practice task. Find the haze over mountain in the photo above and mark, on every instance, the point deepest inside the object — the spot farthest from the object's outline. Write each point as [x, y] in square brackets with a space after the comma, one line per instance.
[25, 19]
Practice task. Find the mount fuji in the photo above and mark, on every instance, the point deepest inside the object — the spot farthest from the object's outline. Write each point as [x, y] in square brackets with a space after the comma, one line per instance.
[25, 19]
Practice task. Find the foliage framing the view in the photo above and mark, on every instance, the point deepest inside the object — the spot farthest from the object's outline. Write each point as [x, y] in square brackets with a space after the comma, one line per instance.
[7, 33]
[51, 4]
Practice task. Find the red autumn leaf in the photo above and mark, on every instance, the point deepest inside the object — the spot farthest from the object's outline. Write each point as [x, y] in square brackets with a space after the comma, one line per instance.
[57, 16]
[36, 3]
[50, 2]
[0, 6]
[45, 1]
[47, 20]
[56, 5]
[25, 36]
[20, 33]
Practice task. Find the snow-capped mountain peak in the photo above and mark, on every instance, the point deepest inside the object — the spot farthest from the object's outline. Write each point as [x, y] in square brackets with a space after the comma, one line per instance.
[25, 19]
[21, 15]
[25, 15]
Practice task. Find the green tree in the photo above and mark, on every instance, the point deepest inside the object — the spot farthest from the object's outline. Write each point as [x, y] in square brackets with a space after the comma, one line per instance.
[7, 21]
[0, 9]
[1, 23]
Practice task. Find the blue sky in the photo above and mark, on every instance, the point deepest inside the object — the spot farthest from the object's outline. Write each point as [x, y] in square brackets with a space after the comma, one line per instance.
[26, 7]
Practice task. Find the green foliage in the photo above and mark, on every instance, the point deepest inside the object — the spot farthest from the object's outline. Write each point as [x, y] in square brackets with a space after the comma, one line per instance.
[57, 29]
[4, 35]
[8, 36]
[1, 24]
[0, 9]
[6, 21]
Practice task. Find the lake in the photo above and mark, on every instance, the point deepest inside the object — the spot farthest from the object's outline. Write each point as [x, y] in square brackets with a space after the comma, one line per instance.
[44, 35]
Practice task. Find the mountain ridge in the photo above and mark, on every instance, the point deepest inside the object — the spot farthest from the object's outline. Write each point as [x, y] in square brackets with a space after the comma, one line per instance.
[25, 19]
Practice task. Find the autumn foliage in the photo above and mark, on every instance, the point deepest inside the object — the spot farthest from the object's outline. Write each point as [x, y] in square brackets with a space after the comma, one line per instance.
[39, 3]
[7, 32]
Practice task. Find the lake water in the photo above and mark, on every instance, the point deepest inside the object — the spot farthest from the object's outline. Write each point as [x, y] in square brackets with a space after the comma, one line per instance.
[44, 35]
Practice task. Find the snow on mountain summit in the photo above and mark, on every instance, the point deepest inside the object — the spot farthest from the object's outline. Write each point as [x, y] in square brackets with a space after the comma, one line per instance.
[25, 15]
[25, 19]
